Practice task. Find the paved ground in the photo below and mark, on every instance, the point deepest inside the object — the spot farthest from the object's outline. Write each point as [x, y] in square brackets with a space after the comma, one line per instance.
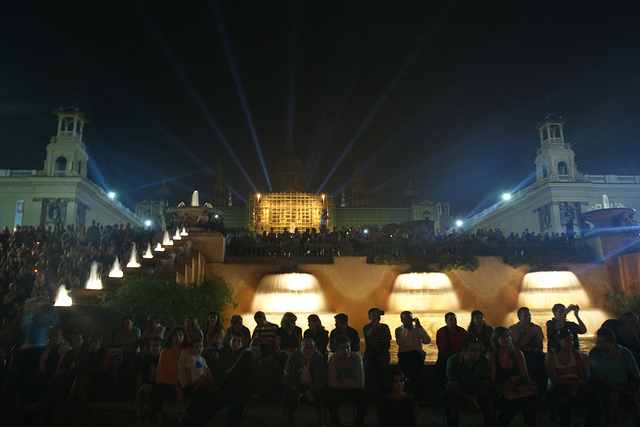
[118, 411]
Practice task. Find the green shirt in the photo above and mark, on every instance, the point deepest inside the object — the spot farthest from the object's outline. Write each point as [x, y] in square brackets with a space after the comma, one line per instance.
[469, 379]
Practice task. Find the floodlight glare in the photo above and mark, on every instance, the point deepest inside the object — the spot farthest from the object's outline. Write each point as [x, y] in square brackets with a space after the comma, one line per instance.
[366, 231]
[112, 195]
[506, 196]
[147, 223]
[459, 223]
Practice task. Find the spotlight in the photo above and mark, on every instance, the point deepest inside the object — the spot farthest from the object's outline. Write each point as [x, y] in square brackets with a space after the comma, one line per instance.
[216, 216]
[506, 196]
[112, 195]
[459, 223]
[148, 223]
[366, 231]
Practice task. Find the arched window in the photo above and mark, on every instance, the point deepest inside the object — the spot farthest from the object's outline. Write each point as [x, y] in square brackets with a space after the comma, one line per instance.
[544, 171]
[79, 168]
[562, 168]
[61, 165]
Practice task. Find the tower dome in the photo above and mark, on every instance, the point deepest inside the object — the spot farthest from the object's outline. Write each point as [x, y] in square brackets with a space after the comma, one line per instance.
[290, 174]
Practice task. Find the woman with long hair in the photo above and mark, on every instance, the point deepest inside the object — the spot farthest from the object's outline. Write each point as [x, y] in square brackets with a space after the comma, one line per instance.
[480, 330]
[288, 336]
[191, 329]
[511, 380]
[214, 332]
[167, 377]
[318, 334]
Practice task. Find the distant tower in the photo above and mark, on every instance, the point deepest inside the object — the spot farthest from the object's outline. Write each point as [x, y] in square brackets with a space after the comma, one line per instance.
[443, 216]
[290, 174]
[410, 196]
[358, 192]
[343, 200]
[66, 153]
[218, 194]
[555, 158]
[230, 199]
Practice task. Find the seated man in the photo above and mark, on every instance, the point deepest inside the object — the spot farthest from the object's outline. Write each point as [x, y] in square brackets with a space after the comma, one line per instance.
[528, 338]
[560, 322]
[625, 328]
[346, 381]
[611, 367]
[305, 377]
[468, 375]
[238, 326]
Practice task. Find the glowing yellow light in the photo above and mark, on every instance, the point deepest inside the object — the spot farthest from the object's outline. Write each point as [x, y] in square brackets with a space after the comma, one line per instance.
[279, 293]
[422, 292]
[63, 299]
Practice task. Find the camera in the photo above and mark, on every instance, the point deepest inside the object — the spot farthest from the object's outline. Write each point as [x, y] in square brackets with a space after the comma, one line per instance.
[381, 313]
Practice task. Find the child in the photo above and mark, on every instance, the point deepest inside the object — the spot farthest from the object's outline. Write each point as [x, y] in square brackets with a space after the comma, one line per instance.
[149, 367]
[195, 378]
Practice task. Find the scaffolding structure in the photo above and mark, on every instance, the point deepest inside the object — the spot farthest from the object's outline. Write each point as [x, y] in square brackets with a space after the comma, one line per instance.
[290, 210]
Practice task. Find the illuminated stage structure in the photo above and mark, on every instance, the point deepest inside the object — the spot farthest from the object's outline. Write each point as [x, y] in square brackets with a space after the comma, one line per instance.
[289, 211]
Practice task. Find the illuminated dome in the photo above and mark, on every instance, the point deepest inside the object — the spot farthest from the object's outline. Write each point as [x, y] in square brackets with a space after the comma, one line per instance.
[290, 174]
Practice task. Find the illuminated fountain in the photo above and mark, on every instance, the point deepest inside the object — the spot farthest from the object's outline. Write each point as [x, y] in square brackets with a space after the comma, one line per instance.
[427, 296]
[543, 289]
[63, 299]
[94, 281]
[166, 240]
[148, 254]
[116, 271]
[177, 235]
[184, 233]
[195, 198]
[296, 292]
[133, 260]
[159, 247]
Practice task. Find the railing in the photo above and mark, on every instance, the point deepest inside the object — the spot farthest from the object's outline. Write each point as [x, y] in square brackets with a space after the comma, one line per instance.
[16, 173]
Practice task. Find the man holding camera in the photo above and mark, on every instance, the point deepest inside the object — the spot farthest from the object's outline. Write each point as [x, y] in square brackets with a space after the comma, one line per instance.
[377, 337]
[410, 337]
[560, 322]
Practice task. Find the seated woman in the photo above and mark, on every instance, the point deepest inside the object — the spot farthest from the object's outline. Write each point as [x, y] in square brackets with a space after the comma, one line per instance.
[318, 334]
[191, 329]
[233, 381]
[480, 330]
[95, 377]
[397, 408]
[49, 363]
[167, 379]
[509, 377]
[214, 332]
[568, 380]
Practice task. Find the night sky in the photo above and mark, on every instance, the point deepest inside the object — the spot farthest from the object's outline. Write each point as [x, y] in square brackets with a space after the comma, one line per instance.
[445, 93]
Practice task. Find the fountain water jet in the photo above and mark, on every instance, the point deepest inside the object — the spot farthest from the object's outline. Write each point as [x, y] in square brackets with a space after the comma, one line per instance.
[159, 248]
[116, 271]
[94, 281]
[427, 296]
[541, 290]
[195, 198]
[133, 260]
[63, 299]
[148, 253]
[184, 233]
[296, 292]
[177, 235]
[166, 240]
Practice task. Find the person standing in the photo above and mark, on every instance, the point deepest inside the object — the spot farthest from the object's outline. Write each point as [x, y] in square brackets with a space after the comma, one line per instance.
[377, 338]
[410, 337]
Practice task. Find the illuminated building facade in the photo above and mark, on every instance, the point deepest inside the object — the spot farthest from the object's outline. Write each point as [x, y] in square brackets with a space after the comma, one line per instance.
[289, 210]
[556, 201]
[61, 191]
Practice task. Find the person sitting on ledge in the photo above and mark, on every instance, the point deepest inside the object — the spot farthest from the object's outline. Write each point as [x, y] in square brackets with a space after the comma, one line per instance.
[238, 326]
[468, 375]
[397, 408]
[346, 381]
[560, 322]
[612, 366]
[305, 378]
[479, 329]
[233, 380]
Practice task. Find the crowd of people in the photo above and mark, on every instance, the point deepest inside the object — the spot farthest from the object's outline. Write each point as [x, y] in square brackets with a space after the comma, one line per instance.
[398, 240]
[498, 372]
